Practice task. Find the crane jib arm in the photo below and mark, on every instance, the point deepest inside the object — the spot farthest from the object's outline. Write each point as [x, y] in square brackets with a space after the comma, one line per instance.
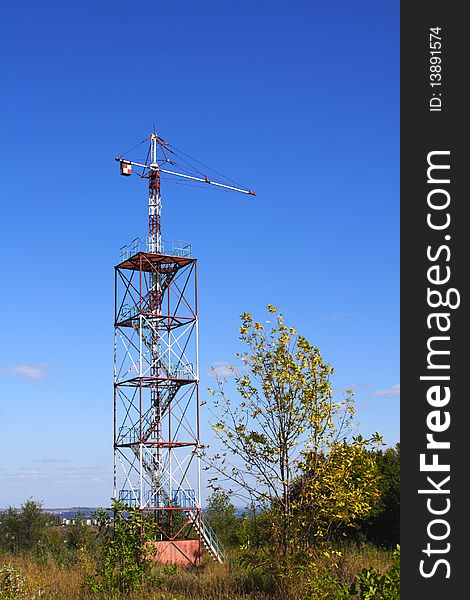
[126, 169]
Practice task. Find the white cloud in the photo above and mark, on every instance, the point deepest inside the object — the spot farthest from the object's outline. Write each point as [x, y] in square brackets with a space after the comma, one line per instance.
[338, 316]
[51, 461]
[390, 392]
[221, 369]
[31, 372]
[355, 387]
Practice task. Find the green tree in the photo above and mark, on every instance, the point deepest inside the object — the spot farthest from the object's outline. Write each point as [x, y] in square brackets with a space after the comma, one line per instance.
[256, 527]
[222, 517]
[79, 535]
[22, 530]
[335, 490]
[382, 525]
[284, 412]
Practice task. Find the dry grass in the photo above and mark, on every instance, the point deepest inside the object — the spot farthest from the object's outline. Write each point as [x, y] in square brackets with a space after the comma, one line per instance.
[209, 582]
[219, 582]
[356, 558]
[46, 579]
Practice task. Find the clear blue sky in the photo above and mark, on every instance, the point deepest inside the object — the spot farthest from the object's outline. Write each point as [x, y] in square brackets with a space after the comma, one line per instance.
[299, 101]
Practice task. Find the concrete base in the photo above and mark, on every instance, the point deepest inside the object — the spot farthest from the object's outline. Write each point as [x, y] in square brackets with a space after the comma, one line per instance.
[179, 552]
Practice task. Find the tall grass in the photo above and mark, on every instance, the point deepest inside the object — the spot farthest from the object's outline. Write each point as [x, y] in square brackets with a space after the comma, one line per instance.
[46, 579]
[43, 579]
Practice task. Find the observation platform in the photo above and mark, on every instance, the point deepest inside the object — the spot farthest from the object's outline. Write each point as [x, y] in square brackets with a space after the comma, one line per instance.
[137, 256]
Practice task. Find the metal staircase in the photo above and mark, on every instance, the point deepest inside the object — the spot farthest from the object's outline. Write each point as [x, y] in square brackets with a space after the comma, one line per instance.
[209, 539]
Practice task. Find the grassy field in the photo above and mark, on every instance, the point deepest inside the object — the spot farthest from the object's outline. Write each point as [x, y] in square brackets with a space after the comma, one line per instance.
[31, 578]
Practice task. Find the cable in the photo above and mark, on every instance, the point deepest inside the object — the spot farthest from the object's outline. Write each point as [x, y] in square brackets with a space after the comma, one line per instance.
[207, 167]
[136, 146]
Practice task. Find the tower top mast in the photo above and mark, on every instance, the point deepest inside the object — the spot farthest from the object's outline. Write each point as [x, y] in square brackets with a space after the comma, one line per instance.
[160, 155]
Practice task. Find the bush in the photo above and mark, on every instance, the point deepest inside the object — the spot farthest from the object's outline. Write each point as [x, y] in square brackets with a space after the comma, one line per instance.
[12, 584]
[124, 560]
[373, 586]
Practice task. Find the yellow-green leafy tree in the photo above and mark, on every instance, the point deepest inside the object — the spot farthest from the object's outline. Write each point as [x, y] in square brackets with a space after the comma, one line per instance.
[335, 490]
[276, 424]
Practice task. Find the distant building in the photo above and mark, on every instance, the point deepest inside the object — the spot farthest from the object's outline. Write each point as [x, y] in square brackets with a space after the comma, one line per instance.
[69, 521]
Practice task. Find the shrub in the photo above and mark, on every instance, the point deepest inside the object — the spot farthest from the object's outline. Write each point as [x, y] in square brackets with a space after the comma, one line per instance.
[124, 560]
[373, 586]
[12, 584]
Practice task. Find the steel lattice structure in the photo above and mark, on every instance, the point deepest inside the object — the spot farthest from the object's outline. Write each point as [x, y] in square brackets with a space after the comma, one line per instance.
[157, 445]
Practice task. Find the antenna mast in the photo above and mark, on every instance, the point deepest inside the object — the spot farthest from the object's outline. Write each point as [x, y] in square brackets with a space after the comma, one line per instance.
[155, 202]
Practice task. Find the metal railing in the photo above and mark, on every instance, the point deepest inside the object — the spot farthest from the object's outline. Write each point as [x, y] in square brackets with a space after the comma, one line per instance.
[184, 498]
[132, 499]
[179, 248]
[182, 372]
[213, 540]
[129, 497]
[209, 537]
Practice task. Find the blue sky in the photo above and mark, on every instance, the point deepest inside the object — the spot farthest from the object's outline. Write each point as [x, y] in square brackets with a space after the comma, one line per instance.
[298, 101]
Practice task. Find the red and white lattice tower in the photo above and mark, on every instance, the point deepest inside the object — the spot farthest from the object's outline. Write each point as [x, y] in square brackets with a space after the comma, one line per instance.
[157, 444]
